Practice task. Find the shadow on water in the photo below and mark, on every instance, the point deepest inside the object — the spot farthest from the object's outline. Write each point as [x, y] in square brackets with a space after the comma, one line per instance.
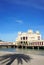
[9, 58]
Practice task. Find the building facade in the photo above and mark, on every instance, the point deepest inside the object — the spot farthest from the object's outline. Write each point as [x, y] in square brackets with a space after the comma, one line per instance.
[29, 38]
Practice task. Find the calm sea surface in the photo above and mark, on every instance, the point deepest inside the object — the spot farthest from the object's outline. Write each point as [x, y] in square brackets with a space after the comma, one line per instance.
[26, 51]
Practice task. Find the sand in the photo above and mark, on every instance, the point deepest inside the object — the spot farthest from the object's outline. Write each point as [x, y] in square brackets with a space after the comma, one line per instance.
[36, 59]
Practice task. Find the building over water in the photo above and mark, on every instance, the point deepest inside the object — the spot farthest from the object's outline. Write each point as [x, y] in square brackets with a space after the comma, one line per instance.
[29, 38]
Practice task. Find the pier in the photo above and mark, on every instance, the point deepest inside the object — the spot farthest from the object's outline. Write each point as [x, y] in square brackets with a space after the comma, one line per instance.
[11, 45]
[25, 40]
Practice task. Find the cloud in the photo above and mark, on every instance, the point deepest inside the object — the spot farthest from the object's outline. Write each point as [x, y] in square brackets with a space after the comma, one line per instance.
[13, 19]
[19, 21]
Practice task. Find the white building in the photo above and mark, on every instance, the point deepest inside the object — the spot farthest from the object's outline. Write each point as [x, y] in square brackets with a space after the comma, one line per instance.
[29, 38]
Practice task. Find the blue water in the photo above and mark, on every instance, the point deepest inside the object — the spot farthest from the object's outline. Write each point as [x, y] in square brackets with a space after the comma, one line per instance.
[8, 49]
[26, 51]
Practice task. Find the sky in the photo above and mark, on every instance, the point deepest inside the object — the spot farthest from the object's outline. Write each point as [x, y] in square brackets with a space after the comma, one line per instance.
[20, 15]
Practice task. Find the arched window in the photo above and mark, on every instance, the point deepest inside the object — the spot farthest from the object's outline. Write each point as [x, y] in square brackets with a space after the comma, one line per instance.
[21, 42]
[26, 38]
[23, 38]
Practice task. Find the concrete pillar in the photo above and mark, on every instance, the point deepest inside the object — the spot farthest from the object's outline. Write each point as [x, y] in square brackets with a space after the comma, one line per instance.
[38, 48]
[25, 47]
[6, 46]
[22, 46]
[17, 46]
[33, 48]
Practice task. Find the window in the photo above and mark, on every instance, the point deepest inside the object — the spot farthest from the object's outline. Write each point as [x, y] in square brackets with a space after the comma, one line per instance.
[23, 38]
[42, 43]
[38, 37]
[38, 43]
[26, 38]
[21, 42]
[26, 42]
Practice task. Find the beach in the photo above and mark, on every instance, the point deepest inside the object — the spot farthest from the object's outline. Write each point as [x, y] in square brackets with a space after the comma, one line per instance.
[36, 59]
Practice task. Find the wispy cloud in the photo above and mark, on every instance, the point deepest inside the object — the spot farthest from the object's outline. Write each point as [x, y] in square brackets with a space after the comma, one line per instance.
[13, 19]
[19, 21]
[38, 4]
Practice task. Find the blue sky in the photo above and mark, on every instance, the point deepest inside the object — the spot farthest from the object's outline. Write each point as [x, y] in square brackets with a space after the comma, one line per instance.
[20, 15]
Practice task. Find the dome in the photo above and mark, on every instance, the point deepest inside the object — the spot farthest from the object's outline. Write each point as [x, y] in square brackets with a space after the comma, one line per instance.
[19, 33]
[30, 31]
[24, 33]
[37, 32]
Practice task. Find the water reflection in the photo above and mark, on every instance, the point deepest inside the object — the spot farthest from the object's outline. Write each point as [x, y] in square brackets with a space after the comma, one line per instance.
[24, 51]
[31, 51]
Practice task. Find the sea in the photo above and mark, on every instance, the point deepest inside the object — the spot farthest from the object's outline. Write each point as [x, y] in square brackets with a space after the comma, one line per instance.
[26, 51]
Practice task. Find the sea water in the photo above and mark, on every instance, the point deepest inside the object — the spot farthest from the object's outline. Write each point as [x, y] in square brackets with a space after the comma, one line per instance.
[26, 51]
[8, 49]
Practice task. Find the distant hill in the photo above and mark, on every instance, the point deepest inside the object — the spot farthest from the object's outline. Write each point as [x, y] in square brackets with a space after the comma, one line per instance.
[1, 40]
